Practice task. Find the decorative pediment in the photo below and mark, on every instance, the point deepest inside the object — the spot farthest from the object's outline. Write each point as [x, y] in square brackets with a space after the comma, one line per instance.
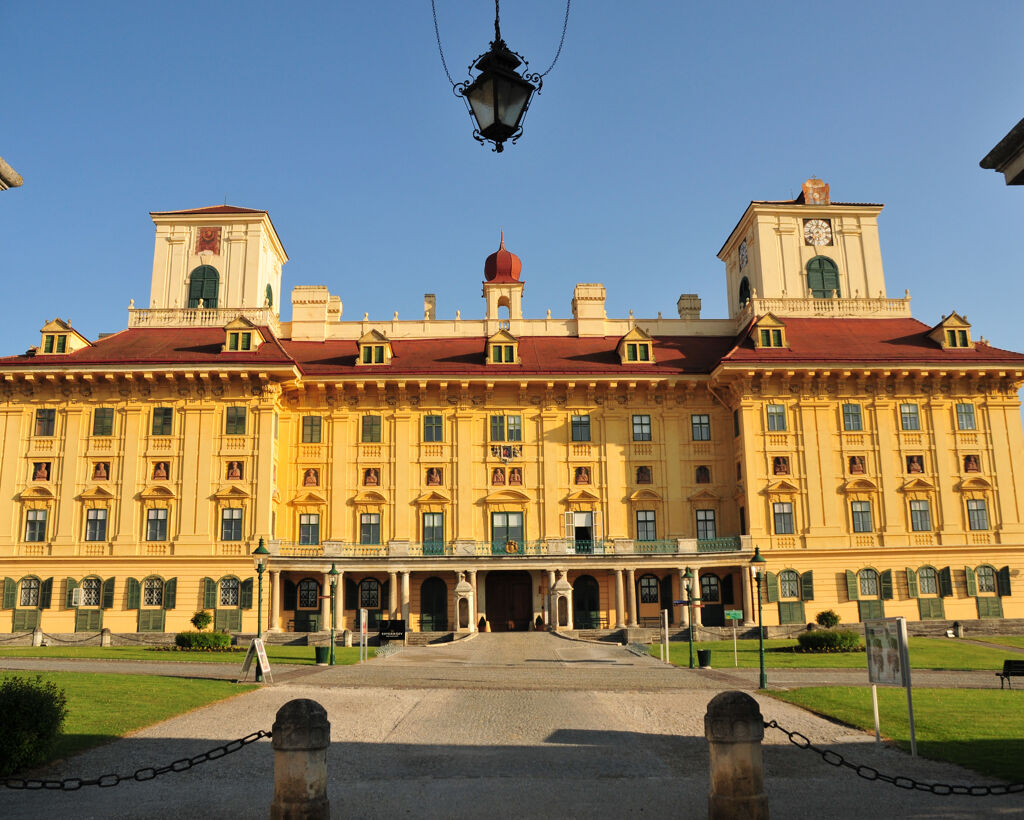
[503, 348]
[306, 496]
[974, 483]
[952, 333]
[768, 331]
[157, 492]
[231, 491]
[860, 485]
[506, 496]
[58, 337]
[704, 495]
[38, 491]
[370, 497]
[636, 347]
[241, 335]
[434, 497]
[917, 484]
[97, 492]
[582, 495]
[782, 487]
[644, 495]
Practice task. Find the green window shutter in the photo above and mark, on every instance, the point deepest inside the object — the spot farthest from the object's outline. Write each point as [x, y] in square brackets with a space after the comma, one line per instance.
[851, 585]
[10, 592]
[990, 607]
[209, 593]
[945, 582]
[871, 609]
[151, 620]
[807, 587]
[931, 609]
[25, 620]
[972, 582]
[1003, 582]
[170, 594]
[290, 595]
[134, 593]
[791, 612]
[88, 620]
[886, 579]
[107, 600]
[245, 594]
[911, 583]
[771, 587]
[70, 585]
[46, 593]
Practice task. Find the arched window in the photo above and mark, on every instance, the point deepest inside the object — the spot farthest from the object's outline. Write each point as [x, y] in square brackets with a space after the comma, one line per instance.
[928, 581]
[648, 589]
[822, 277]
[270, 296]
[369, 593]
[203, 283]
[986, 579]
[228, 591]
[91, 592]
[153, 591]
[710, 588]
[309, 594]
[703, 475]
[29, 592]
[744, 291]
[789, 584]
[868, 582]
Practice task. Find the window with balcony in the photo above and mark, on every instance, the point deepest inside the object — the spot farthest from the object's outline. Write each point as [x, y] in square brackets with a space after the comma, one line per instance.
[234, 421]
[433, 429]
[700, 427]
[371, 430]
[641, 428]
[776, 418]
[312, 429]
[163, 421]
[852, 420]
[580, 428]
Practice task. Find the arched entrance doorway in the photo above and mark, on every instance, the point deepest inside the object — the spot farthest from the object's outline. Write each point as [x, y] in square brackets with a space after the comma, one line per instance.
[434, 605]
[509, 602]
[586, 603]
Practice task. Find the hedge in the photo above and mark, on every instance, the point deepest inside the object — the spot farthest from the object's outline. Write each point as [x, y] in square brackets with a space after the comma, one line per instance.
[830, 640]
[33, 716]
[203, 640]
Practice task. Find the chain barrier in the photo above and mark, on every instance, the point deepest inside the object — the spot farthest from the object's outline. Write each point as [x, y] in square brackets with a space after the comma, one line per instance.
[71, 784]
[833, 758]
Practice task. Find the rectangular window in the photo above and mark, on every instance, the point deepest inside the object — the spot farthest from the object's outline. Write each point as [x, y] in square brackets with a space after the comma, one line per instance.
[965, 419]
[232, 341]
[851, 418]
[505, 527]
[705, 524]
[771, 338]
[369, 528]
[496, 354]
[920, 516]
[229, 592]
[62, 343]
[309, 528]
[581, 428]
[45, 420]
[776, 417]
[311, 429]
[700, 426]
[977, 514]
[370, 433]
[497, 428]
[234, 421]
[861, 512]
[95, 525]
[231, 524]
[163, 421]
[735, 423]
[515, 427]
[646, 529]
[637, 352]
[783, 514]
[432, 428]
[433, 533]
[641, 428]
[156, 524]
[48, 344]
[103, 421]
[743, 521]
[35, 525]
[153, 592]
[909, 417]
[246, 341]
[378, 354]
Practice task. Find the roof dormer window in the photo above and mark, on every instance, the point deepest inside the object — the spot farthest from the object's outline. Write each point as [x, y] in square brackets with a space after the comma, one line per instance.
[953, 333]
[242, 336]
[636, 347]
[374, 348]
[638, 352]
[55, 343]
[769, 332]
[239, 341]
[373, 354]
[957, 338]
[58, 337]
[502, 348]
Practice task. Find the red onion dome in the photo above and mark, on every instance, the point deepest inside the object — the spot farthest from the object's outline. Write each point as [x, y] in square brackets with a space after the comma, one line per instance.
[502, 265]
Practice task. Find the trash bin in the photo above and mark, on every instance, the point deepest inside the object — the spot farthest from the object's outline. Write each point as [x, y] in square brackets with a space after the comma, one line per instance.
[323, 655]
[704, 658]
[958, 629]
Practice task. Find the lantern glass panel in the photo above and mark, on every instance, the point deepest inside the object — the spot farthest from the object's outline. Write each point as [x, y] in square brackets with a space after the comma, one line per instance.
[481, 99]
[512, 98]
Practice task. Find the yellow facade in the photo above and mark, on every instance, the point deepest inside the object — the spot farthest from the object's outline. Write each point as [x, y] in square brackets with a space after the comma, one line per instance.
[568, 478]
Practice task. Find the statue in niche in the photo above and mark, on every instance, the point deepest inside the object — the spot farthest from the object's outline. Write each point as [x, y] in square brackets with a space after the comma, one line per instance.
[856, 465]
[915, 464]
[371, 477]
[41, 471]
[780, 465]
[434, 477]
[311, 478]
[498, 476]
[234, 471]
[582, 475]
[101, 471]
[161, 471]
[515, 476]
[972, 464]
[643, 475]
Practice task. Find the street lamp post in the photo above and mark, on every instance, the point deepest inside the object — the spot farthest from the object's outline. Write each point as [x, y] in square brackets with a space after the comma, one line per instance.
[260, 561]
[333, 574]
[757, 570]
[689, 579]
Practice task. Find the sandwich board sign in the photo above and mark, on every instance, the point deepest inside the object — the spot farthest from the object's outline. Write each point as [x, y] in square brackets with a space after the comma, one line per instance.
[885, 644]
[258, 651]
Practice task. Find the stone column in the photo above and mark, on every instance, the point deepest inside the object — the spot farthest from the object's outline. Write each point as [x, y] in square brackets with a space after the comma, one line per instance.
[339, 602]
[476, 601]
[684, 615]
[302, 734]
[552, 607]
[631, 597]
[274, 624]
[620, 606]
[392, 594]
[749, 604]
[734, 729]
[405, 598]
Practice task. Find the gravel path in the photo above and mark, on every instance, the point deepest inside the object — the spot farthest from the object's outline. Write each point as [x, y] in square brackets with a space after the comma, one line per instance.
[511, 726]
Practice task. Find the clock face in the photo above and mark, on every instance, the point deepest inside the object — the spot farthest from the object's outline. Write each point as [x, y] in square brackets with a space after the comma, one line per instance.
[743, 254]
[817, 232]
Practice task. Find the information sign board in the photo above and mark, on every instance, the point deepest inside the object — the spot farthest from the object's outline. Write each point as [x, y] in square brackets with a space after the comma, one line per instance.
[734, 614]
[258, 652]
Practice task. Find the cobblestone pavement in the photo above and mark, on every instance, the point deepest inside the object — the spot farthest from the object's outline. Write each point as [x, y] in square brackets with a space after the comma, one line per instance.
[500, 726]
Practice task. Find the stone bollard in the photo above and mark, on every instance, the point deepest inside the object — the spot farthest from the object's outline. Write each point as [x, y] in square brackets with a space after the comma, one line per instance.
[302, 734]
[734, 729]
[346, 637]
[37, 637]
[105, 637]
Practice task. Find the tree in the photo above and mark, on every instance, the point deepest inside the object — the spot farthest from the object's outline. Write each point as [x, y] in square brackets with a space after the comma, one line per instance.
[201, 620]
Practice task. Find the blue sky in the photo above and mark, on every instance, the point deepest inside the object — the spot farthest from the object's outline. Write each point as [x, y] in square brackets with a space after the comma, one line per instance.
[659, 124]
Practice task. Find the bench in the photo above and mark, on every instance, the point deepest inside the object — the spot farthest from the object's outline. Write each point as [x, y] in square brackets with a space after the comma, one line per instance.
[1011, 669]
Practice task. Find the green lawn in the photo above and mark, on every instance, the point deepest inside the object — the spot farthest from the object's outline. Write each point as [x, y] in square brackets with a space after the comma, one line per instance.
[343, 655]
[104, 707]
[925, 653]
[980, 729]
[1006, 640]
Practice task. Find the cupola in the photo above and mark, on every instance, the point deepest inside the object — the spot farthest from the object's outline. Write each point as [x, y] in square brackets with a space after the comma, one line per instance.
[502, 265]
[503, 289]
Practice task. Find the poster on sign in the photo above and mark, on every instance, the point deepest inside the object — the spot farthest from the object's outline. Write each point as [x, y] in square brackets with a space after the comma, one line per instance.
[885, 644]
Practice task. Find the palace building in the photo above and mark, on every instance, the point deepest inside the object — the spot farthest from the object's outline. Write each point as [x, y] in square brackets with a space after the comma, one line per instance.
[512, 472]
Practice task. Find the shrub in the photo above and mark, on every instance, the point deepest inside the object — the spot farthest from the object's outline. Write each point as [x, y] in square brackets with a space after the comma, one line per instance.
[827, 619]
[201, 620]
[203, 640]
[822, 640]
[33, 715]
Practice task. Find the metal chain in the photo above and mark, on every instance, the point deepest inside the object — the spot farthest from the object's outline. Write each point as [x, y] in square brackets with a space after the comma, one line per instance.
[565, 25]
[71, 784]
[437, 33]
[833, 758]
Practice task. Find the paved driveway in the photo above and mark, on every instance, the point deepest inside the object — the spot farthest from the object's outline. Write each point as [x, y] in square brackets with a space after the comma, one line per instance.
[520, 725]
